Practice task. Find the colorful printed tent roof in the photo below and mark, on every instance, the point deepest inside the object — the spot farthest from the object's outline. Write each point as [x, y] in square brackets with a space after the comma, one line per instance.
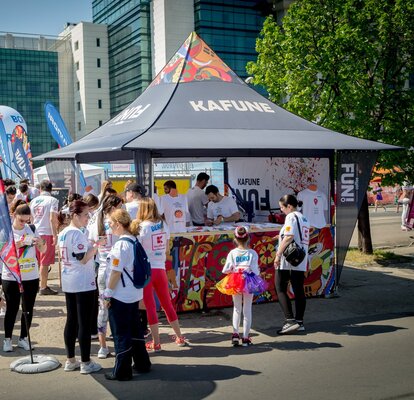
[198, 107]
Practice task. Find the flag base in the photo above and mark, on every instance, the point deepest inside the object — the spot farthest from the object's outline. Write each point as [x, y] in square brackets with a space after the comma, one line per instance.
[41, 363]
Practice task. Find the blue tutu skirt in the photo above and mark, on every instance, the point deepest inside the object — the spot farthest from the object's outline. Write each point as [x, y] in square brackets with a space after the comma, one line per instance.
[254, 284]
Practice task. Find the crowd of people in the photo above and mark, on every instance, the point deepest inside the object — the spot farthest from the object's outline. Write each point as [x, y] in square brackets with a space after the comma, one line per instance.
[96, 238]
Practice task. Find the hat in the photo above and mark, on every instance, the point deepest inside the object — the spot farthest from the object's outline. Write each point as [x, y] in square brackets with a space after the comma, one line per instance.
[241, 232]
[134, 187]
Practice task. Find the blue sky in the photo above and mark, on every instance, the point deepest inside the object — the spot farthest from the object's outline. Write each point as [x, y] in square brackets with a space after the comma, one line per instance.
[47, 17]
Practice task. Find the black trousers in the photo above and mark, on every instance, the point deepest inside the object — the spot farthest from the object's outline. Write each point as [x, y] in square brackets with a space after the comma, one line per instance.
[296, 279]
[13, 296]
[129, 341]
[79, 307]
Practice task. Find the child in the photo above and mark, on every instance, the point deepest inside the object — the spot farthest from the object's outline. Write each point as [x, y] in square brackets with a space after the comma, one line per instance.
[242, 282]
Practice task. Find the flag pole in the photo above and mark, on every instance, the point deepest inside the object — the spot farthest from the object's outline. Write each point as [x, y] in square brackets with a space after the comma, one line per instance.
[10, 168]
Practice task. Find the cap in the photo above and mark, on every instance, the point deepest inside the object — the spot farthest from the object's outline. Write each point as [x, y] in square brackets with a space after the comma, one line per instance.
[241, 232]
[134, 187]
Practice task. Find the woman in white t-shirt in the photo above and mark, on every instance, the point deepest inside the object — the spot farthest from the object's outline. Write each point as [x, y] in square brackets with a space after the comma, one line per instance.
[27, 241]
[122, 298]
[296, 228]
[154, 237]
[101, 229]
[78, 284]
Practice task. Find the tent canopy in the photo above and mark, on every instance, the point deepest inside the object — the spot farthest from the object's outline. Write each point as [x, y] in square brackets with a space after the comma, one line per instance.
[197, 106]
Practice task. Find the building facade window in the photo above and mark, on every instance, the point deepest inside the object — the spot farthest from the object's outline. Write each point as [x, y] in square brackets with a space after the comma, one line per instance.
[77, 65]
[76, 45]
[98, 42]
[78, 86]
[99, 103]
[99, 83]
[79, 106]
[100, 122]
[79, 126]
[98, 62]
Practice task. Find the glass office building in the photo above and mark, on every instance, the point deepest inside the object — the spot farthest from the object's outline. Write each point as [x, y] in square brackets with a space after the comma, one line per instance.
[29, 78]
[230, 28]
[129, 47]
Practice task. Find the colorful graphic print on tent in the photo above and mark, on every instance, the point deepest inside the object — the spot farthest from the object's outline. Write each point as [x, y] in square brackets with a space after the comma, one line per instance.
[22, 153]
[195, 61]
[199, 260]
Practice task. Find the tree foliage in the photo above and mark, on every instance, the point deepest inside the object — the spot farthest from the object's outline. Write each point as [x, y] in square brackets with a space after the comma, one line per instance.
[347, 65]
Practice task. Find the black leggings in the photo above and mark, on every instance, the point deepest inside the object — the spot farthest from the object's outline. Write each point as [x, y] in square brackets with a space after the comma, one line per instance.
[13, 296]
[297, 279]
[79, 308]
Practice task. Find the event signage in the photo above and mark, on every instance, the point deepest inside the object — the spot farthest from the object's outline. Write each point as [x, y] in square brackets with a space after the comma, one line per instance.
[62, 174]
[228, 105]
[353, 175]
[15, 147]
[265, 180]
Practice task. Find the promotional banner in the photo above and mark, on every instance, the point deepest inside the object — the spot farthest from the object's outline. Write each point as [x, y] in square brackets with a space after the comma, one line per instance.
[8, 251]
[17, 143]
[60, 133]
[4, 152]
[143, 169]
[62, 174]
[265, 180]
[352, 179]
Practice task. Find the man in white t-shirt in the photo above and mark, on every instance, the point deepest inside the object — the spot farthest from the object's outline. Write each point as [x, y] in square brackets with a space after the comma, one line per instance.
[44, 209]
[175, 208]
[198, 200]
[133, 194]
[220, 208]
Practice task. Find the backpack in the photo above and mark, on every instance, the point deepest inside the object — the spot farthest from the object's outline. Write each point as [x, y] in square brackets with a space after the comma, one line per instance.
[142, 266]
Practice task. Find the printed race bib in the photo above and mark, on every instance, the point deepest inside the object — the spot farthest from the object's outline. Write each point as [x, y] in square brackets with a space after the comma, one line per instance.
[27, 265]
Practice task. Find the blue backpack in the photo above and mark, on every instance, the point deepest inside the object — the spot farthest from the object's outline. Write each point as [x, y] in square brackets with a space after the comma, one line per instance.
[142, 266]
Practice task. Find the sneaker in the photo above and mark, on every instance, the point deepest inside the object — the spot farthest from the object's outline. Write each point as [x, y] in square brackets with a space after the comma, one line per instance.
[94, 337]
[180, 341]
[47, 291]
[151, 346]
[247, 342]
[90, 367]
[2, 312]
[301, 326]
[103, 352]
[7, 345]
[235, 338]
[24, 344]
[71, 366]
[147, 333]
[288, 327]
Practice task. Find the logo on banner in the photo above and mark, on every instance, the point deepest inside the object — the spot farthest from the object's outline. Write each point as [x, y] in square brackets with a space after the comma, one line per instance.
[21, 152]
[129, 114]
[228, 105]
[349, 183]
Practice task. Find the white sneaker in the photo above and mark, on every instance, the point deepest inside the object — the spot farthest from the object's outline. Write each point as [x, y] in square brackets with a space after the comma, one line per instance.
[71, 366]
[103, 352]
[90, 367]
[7, 345]
[2, 312]
[24, 344]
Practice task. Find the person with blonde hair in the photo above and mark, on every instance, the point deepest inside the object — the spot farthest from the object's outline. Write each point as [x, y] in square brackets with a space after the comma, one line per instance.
[122, 299]
[105, 185]
[154, 236]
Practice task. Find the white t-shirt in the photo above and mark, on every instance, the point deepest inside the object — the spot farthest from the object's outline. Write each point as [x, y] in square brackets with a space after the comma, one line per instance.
[76, 277]
[154, 237]
[29, 269]
[242, 260]
[291, 228]
[157, 200]
[41, 207]
[175, 211]
[103, 250]
[120, 258]
[132, 208]
[226, 207]
[315, 205]
[197, 201]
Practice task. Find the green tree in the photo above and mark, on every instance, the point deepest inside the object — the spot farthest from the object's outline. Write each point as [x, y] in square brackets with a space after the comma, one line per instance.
[347, 65]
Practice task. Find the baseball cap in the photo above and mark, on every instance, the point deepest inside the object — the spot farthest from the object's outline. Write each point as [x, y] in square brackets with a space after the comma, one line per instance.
[136, 188]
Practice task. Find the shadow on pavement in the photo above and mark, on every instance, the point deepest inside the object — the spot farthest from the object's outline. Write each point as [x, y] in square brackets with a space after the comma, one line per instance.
[173, 381]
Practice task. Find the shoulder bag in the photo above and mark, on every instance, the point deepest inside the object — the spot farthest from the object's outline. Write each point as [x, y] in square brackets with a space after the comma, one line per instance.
[295, 254]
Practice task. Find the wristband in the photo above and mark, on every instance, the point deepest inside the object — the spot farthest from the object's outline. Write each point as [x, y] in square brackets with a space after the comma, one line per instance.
[107, 294]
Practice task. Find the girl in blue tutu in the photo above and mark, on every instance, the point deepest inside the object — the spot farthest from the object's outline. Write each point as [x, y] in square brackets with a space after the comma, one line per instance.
[242, 281]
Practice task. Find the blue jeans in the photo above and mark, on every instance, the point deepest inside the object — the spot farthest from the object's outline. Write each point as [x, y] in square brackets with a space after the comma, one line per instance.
[128, 339]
